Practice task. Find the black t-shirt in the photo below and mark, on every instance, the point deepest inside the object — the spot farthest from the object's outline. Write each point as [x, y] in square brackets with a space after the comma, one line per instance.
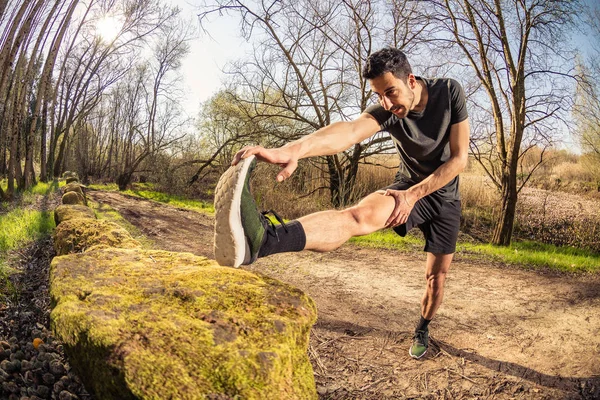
[422, 138]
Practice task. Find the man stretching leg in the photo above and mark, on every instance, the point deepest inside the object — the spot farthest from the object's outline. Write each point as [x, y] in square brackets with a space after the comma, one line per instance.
[428, 122]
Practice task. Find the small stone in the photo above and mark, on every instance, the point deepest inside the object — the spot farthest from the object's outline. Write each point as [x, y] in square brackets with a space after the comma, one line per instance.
[58, 387]
[64, 395]
[43, 391]
[13, 340]
[48, 379]
[20, 355]
[10, 387]
[9, 366]
[4, 344]
[17, 365]
[26, 365]
[57, 368]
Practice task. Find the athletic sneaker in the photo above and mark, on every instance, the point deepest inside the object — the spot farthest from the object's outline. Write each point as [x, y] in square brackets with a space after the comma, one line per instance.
[240, 229]
[420, 344]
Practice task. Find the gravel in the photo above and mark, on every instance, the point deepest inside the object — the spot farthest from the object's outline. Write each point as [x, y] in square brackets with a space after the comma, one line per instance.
[33, 365]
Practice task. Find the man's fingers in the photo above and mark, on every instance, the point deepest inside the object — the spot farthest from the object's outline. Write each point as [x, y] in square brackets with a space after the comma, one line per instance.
[287, 171]
[246, 152]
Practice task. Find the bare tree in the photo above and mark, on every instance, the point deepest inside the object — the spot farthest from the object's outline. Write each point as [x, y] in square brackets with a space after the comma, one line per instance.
[90, 66]
[306, 66]
[587, 107]
[517, 51]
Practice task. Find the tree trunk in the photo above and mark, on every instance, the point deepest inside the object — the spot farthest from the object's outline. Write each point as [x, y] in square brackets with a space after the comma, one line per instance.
[43, 144]
[3, 4]
[123, 180]
[45, 79]
[504, 227]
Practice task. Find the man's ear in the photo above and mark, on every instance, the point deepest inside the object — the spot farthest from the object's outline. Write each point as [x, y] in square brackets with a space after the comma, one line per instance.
[411, 81]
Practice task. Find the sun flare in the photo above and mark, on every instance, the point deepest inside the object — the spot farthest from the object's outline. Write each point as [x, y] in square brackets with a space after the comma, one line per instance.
[108, 28]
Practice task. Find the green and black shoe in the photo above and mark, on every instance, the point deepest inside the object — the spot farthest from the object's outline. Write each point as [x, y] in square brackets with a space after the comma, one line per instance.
[240, 229]
[420, 344]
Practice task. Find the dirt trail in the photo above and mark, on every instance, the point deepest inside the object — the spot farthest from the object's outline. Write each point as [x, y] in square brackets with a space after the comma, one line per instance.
[501, 332]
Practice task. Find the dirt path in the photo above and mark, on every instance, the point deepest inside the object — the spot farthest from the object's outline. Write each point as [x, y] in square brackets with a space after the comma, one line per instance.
[501, 333]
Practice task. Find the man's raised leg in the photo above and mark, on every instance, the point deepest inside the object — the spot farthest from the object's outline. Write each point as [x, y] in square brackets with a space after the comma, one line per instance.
[242, 233]
[328, 230]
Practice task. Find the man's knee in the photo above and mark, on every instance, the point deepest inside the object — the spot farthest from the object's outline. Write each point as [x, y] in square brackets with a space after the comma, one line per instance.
[435, 281]
[371, 213]
[364, 219]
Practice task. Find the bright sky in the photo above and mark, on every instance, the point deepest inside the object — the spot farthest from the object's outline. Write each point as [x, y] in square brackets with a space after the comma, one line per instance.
[202, 69]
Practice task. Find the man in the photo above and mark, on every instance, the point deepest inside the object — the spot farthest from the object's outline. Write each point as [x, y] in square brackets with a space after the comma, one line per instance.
[428, 122]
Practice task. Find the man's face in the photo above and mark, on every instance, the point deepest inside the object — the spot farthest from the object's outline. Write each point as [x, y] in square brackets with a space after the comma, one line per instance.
[394, 94]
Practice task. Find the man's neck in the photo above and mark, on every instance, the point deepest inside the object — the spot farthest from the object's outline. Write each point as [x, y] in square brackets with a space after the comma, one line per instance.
[422, 95]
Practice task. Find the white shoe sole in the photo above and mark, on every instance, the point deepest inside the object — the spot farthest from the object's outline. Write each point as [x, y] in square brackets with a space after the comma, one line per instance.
[230, 241]
[415, 357]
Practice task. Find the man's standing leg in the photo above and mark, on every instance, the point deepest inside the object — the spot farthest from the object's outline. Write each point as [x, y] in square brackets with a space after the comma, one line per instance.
[437, 266]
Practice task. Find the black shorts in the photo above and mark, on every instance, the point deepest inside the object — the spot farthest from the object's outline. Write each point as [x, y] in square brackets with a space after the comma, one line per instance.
[437, 217]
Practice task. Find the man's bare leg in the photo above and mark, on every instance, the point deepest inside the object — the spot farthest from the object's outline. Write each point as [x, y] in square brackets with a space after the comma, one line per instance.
[437, 266]
[328, 230]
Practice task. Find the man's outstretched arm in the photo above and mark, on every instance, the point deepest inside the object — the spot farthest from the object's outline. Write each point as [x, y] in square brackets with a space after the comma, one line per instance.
[328, 140]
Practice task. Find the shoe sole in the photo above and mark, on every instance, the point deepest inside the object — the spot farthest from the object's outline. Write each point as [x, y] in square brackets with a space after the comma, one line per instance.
[415, 357]
[230, 241]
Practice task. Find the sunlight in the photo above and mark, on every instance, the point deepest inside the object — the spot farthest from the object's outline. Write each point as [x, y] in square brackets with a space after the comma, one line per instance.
[108, 28]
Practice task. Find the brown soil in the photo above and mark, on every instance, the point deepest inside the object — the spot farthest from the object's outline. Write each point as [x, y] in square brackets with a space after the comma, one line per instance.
[502, 332]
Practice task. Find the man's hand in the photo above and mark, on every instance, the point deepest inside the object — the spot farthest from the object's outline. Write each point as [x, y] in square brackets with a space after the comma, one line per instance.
[405, 201]
[282, 156]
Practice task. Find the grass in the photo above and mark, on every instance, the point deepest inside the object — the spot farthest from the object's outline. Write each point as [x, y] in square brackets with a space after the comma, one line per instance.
[388, 239]
[20, 225]
[538, 255]
[108, 213]
[526, 253]
[145, 191]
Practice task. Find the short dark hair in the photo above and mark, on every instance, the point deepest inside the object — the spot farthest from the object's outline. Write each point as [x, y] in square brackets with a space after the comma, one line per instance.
[385, 60]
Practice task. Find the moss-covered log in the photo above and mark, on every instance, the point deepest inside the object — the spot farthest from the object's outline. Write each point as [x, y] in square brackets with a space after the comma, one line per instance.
[66, 212]
[77, 188]
[72, 198]
[82, 234]
[142, 324]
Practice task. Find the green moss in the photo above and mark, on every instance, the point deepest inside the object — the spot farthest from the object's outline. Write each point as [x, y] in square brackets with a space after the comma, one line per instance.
[81, 234]
[67, 212]
[73, 198]
[105, 212]
[180, 326]
[76, 188]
